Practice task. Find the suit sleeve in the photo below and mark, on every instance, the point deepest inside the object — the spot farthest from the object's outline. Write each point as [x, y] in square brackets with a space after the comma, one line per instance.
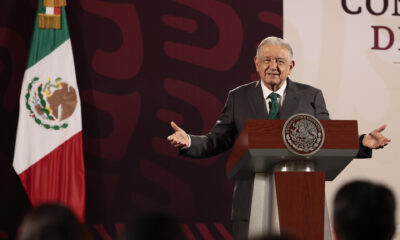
[363, 152]
[219, 139]
[322, 113]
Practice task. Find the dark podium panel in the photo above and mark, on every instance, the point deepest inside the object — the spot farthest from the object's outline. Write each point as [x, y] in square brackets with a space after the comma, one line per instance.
[289, 189]
[300, 198]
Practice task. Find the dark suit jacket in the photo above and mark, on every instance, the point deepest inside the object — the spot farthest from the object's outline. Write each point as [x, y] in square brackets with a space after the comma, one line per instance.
[247, 102]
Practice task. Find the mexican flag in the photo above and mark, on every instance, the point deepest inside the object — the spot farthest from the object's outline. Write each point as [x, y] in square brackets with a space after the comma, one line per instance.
[48, 152]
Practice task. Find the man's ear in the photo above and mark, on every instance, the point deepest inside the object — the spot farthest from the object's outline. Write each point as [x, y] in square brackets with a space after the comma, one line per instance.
[256, 62]
[292, 63]
[291, 66]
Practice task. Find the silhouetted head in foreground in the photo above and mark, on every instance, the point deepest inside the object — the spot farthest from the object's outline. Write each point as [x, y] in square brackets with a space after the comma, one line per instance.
[153, 226]
[364, 210]
[276, 237]
[52, 221]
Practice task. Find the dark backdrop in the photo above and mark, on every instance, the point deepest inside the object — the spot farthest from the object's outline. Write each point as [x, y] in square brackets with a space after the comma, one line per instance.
[139, 65]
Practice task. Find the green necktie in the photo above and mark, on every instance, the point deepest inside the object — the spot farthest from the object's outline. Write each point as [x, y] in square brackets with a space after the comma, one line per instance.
[274, 106]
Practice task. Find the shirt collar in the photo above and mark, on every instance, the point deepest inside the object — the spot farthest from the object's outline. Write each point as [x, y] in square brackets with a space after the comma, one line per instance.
[266, 91]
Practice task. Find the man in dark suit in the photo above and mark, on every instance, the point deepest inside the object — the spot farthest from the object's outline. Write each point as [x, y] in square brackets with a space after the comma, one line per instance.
[274, 96]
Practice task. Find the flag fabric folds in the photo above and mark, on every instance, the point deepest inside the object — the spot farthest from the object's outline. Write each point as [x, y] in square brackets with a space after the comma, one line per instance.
[48, 153]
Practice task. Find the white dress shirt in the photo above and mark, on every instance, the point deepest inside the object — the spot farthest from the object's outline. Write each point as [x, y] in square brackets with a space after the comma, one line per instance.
[281, 94]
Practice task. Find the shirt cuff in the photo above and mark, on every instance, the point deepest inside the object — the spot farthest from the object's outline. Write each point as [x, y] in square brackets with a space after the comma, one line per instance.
[190, 142]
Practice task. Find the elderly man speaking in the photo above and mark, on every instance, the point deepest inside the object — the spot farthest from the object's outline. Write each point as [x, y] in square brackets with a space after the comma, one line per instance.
[274, 96]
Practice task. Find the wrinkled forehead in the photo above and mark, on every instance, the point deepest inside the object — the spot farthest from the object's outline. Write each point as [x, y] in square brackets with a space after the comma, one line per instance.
[274, 51]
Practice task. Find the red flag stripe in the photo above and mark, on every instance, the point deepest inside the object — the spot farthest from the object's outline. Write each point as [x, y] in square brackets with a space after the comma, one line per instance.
[57, 11]
[59, 176]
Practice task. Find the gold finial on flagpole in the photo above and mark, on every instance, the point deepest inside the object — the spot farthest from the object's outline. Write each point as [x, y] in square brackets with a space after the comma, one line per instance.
[54, 3]
[49, 21]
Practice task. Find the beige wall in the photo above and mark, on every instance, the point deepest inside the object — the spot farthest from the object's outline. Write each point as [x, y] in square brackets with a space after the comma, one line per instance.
[333, 52]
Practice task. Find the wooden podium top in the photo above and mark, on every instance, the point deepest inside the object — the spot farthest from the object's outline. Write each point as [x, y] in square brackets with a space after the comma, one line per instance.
[262, 141]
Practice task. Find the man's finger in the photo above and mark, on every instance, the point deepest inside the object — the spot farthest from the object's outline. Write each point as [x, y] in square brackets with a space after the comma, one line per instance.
[178, 144]
[172, 138]
[387, 140]
[175, 127]
[381, 128]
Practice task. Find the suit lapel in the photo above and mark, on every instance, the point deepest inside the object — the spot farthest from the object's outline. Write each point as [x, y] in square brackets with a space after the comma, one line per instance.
[291, 100]
[257, 102]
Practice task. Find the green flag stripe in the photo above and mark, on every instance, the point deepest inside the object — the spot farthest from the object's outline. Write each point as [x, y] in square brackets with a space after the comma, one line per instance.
[44, 41]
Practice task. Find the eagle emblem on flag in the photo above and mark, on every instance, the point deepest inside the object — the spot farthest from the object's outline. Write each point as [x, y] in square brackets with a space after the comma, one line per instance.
[50, 103]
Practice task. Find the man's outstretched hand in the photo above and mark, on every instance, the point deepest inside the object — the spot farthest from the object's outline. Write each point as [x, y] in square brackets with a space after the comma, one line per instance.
[375, 139]
[179, 138]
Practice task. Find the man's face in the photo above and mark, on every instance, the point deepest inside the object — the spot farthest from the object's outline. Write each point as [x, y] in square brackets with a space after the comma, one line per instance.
[274, 65]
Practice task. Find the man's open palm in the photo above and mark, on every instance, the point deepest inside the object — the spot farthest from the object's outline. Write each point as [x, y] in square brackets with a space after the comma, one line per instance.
[179, 138]
[376, 139]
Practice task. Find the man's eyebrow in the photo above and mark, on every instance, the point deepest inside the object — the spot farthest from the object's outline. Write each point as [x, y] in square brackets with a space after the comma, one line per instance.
[278, 58]
[273, 58]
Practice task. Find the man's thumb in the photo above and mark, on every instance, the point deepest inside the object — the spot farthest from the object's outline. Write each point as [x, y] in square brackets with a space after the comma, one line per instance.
[381, 128]
[175, 127]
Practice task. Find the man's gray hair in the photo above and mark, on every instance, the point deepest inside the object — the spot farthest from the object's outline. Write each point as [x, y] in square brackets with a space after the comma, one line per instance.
[275, 41]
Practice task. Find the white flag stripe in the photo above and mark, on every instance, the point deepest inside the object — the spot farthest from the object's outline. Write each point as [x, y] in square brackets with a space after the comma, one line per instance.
[49, 10]
[59, 63]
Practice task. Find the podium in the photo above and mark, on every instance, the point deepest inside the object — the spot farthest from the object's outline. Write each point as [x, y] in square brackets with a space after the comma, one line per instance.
[289, 189]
